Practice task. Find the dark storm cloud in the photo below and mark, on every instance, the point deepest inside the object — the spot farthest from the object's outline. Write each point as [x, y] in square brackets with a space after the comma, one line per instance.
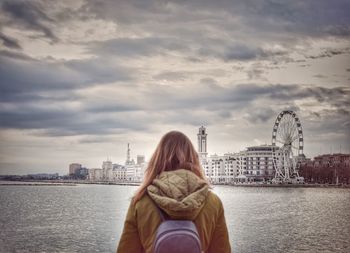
[317, 17]
[36, 95]
[337, 98]
[15, 55]
[130, 12]
[100, 70]
[29, 14]
[131, 47]
[330, 53]
[320, 76]
[30, 117]
[25, 76]
[334, 123]
[334, 104]
[192, 23]
[224, 50]
[238, 52]
[217, 102]
[173, 75]
[63, 121]
[247, 26]
[262, 115]
[147, 105]
[21, 75]
[95, 139]
[111, 106]
[255, 73]
[9, 42]
[308, 17]
[263, 102]
[211, 96]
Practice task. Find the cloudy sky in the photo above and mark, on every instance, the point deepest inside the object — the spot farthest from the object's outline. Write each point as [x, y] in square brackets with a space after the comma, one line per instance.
[81, 79]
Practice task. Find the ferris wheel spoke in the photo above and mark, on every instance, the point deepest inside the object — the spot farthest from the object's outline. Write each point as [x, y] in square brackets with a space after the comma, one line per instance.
[288, 121]
[280, 141]
[280, 132]
[295, 147]
[283, 136]
[295, 138]
[283, 130]
[291, 153]
[293, 135]
[289, 125]
[294, 128]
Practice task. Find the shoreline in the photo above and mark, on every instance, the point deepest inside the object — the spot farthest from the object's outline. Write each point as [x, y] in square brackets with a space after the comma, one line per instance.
[289, 185]
[77, 182]
[16, 183]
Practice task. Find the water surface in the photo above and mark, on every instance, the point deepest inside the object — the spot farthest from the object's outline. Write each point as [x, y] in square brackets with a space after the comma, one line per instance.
[89, 218]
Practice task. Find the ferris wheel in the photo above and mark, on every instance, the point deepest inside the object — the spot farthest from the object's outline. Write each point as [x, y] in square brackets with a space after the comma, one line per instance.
[288, 142]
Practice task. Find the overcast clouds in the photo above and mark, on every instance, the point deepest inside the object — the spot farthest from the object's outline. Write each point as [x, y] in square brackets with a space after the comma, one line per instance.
[81, 79]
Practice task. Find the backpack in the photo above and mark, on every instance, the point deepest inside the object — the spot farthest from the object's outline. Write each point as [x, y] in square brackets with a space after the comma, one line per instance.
[176, 236]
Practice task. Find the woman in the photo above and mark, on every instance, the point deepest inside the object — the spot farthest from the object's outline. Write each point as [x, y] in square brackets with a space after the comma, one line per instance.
[175, 182]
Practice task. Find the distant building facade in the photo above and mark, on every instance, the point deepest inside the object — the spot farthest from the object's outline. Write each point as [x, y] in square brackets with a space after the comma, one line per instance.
[95, 174]
[76, 171]
[258, 163]
[254, 164]
[73, 168]
[113, 172]
[220, 169]
[327, 168]
[82, 173]
[107, 168]
[134, 173]
[140, 159]
[118, 173]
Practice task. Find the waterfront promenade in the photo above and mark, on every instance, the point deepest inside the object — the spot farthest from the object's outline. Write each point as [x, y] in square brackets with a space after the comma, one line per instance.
[75, 182]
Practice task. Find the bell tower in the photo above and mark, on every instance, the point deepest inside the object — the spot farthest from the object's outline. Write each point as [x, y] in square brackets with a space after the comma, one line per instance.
[128, 155]
[202, 143]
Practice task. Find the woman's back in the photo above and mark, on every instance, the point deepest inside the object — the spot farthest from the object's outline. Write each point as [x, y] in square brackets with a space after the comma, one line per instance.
[175, 182]
[181, 195]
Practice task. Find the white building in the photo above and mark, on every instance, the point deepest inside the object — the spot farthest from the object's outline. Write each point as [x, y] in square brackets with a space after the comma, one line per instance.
[256, 163]
[135, 172]
[95, 174]
[109, 172]
[107, 168]
[253, 164]
[118, 173]
[218, 169]
[221, 169]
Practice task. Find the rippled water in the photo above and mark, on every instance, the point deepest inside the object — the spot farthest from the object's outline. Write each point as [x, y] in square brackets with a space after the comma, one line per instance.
[89, 218]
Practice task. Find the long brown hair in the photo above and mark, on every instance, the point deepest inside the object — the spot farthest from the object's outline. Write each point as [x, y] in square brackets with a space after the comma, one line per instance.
[174, 151]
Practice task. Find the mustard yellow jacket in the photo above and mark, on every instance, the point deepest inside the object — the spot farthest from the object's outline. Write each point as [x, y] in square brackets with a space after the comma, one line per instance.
[182, 195]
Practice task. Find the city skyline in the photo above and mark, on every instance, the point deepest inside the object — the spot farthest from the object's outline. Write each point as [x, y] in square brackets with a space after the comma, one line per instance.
[130, 159]
[79, 80]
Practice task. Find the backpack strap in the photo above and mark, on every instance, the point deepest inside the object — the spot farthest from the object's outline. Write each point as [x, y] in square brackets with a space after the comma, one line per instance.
[163, 216]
